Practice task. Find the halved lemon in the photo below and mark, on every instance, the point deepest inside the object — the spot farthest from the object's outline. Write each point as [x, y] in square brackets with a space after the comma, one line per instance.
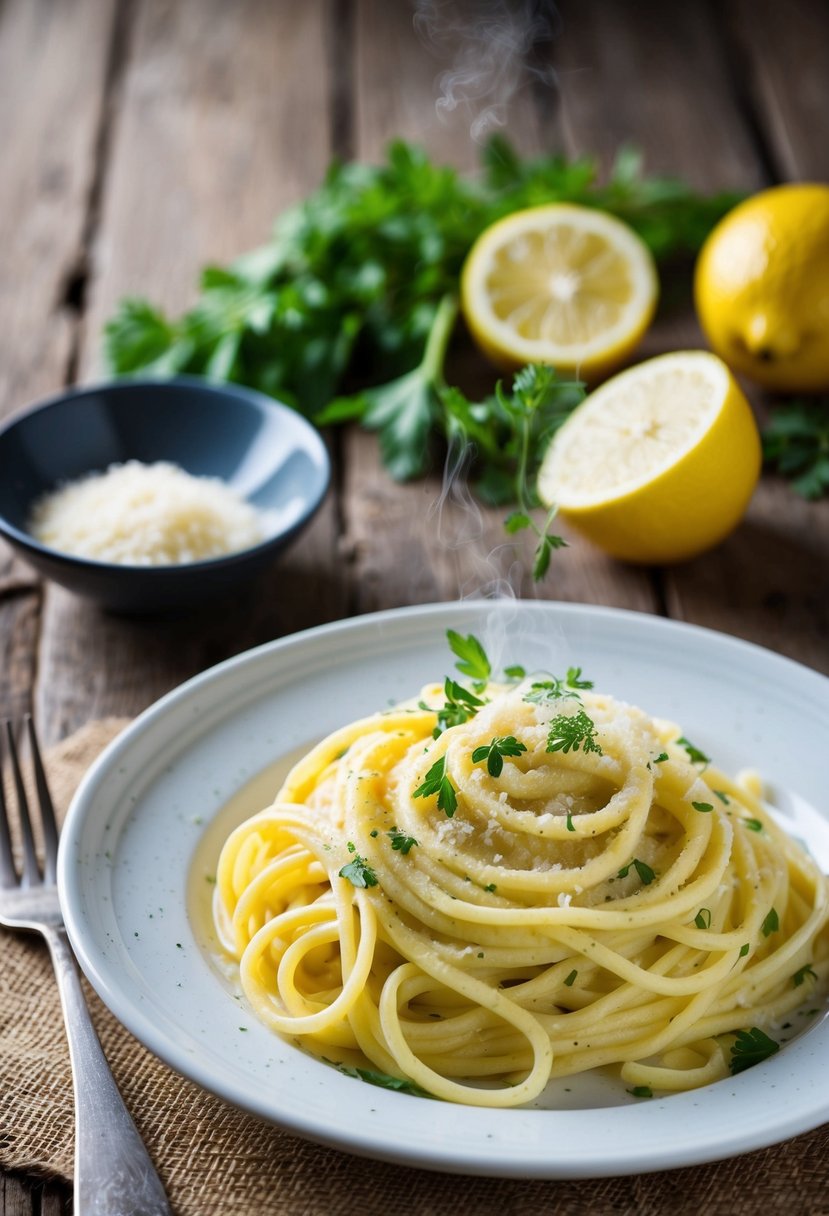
[659, 463]
[559, 284]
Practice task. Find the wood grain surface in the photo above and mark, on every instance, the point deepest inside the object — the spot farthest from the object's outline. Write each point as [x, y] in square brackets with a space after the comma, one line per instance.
[145, 138]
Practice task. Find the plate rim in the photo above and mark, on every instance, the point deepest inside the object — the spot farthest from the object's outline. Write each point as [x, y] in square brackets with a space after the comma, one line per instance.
[676, 1156]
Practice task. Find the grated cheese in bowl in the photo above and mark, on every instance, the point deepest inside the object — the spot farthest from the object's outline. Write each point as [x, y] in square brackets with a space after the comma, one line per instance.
[138, 514]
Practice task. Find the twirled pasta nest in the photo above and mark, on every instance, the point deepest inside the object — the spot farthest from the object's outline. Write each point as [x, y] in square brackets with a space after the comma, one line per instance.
[604, 903]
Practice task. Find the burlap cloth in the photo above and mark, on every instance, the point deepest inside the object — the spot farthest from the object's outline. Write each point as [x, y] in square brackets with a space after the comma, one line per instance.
[214, 1159]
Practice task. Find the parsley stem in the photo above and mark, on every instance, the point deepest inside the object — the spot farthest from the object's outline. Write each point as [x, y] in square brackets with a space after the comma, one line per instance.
[434, 354]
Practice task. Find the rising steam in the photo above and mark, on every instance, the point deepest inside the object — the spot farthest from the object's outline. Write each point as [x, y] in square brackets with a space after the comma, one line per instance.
[492, 43]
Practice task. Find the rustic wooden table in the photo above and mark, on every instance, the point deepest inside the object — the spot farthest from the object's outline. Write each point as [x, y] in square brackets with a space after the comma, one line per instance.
[143, 139]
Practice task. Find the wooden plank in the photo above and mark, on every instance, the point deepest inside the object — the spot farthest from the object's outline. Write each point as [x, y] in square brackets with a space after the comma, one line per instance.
[49, 123]
[415, 543]
[50, 113]
[21, 1197]
[768, 581]
[438, 79]
[777, 565]
[783, 54]
[223, 121]
[655, 76]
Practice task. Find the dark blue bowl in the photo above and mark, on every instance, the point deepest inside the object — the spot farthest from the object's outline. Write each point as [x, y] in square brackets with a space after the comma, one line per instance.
[265, 451]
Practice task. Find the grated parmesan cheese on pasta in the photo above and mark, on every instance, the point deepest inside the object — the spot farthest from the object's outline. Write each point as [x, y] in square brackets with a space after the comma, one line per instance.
[139, 514]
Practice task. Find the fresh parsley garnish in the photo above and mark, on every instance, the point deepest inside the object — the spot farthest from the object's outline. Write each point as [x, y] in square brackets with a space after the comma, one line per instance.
[472, 658]
[571, 979]
[744, 949]
[557, 688]
[771, 924]
[571, 827]
[545, 692]
[535, 407]
[358, 872]
[703, 807]
[384, 1080]
[723, 797]
[694, 753]
[702, 920]
[460, 706]
[753, 825]
[641, 1091]
[515, 672]
[571, 732]
[437, 782]
[799, 976]
[646, 874]
[751, 1047]
[494, 752]
[573, 679]
[661, 757]
[400, 841]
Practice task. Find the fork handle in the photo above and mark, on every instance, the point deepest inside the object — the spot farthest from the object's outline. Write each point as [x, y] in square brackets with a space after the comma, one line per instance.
[114, 1175]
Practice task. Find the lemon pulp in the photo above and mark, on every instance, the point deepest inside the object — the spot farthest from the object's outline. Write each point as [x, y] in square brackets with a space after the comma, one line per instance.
[559, 284]
[659, 463]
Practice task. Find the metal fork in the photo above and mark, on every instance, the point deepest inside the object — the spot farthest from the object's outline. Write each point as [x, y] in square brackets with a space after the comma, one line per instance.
[113, 1172]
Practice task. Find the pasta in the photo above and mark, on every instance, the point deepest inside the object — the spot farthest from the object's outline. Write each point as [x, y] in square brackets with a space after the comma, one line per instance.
[483, 891]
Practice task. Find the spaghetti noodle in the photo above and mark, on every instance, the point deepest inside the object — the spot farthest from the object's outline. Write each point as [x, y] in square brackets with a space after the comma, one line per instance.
[534, 883]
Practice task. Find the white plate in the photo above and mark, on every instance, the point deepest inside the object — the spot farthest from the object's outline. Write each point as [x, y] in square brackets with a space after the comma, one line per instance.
[139, 815]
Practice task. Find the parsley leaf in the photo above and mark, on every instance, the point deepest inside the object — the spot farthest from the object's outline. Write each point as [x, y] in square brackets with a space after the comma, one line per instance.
[641, 1091]
[574, 680]
[516, 521]
[799, 976]
[460, 706]
[694, 753]
[753, 825]
[437, 782]
[384, 1080]
[702, 920]
[545, 692]
[557, 688]
[796, 442]
[571, 979]
[571, 731]
[472, 658]
[646, 874]
[703, 807]
[494, 752]
[516, 672]
[751, 1047]
[771, 924]
[400, 841]
[548, 542]
[358, 872]
[661, 758]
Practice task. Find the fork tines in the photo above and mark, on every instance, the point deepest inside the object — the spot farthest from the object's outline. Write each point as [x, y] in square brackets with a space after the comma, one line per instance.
[31, 871]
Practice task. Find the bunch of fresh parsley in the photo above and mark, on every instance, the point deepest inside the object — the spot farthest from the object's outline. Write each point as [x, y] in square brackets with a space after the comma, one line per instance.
[796, 443]
[347, 313]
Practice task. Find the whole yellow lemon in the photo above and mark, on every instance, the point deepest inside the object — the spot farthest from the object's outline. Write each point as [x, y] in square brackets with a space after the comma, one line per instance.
[762, 288]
